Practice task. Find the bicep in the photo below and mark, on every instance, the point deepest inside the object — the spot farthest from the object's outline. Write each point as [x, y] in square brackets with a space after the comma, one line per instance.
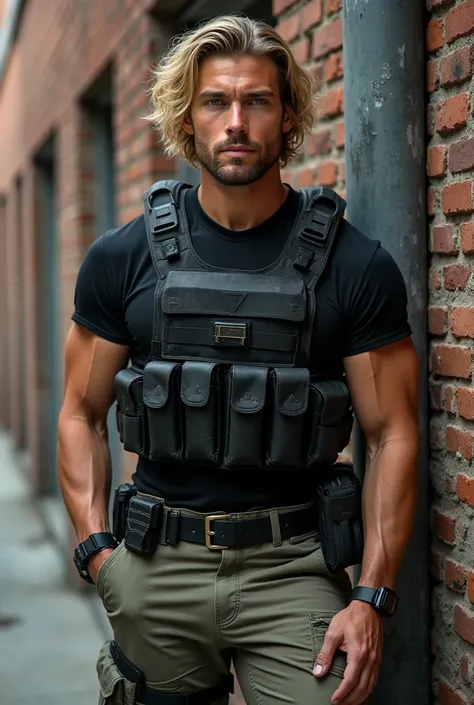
[384, 389]
[91, 363]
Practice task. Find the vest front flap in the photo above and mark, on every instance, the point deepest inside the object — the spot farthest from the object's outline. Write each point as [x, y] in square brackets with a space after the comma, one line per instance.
[248, 388]
[156, 382]
[196, 378]
[239, 294]
[291, 390]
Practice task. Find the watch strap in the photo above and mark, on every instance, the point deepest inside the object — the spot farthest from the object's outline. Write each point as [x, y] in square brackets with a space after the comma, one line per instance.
[378, 598]
[88, 548]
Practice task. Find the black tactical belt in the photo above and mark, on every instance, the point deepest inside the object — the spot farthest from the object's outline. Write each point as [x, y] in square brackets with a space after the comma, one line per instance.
[147, 696]
[219, 531]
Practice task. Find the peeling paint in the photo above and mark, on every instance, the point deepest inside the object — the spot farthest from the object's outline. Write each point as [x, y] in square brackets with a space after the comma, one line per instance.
[376, 86]
[415, 141]
[353, 4]
[401, 54]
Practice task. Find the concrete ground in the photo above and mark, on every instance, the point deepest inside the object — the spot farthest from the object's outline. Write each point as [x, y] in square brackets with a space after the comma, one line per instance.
[49, 635]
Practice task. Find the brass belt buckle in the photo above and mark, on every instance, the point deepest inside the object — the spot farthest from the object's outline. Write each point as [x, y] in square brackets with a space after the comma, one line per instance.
[209, 533]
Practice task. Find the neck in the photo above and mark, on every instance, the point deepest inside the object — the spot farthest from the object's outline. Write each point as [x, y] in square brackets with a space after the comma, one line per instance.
[242, 207]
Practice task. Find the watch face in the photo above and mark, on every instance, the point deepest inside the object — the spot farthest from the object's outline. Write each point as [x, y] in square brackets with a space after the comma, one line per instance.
[386, 601]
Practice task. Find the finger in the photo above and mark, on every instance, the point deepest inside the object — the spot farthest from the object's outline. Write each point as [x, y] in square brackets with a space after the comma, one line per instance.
[325, 657]
[362, 691]
[351, 678]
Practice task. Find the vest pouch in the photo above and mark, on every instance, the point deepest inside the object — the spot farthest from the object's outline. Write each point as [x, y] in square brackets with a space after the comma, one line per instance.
[329, 405]
[244, 443]
[289, 404]
[128, 386]
[161, 387]
[200, 395]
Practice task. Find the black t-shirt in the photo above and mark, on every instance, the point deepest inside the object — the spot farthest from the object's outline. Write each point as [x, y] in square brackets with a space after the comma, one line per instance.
[361, 305]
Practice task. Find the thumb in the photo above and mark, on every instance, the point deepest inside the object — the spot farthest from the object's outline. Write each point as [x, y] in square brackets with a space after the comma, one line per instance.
[325, 656]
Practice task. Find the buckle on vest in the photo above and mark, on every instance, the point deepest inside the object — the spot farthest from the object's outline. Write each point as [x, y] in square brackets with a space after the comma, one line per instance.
[316, 228]
[231, 334]
[166, 218]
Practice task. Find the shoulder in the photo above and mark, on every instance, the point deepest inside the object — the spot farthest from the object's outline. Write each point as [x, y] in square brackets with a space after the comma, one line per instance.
[126, 238]
[353, 249]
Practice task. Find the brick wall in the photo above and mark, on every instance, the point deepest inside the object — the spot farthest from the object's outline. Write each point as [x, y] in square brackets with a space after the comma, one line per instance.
[450, 45]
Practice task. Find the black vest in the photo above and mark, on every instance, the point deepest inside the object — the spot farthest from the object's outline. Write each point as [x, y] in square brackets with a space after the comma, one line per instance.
[229, 382]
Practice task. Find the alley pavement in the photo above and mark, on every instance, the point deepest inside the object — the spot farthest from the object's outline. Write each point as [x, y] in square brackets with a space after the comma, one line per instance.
[50, 636]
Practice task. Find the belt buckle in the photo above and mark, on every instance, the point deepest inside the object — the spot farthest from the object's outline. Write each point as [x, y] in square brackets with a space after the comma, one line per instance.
[209, 533]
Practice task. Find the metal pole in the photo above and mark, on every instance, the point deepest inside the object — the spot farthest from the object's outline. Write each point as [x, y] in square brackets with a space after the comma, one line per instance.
[385, 100]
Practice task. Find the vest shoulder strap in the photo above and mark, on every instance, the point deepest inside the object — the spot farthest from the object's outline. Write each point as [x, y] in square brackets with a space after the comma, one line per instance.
[315, 230]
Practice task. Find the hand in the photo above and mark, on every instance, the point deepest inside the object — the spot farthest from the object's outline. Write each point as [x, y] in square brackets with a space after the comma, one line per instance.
[96, 561]
[358, 631]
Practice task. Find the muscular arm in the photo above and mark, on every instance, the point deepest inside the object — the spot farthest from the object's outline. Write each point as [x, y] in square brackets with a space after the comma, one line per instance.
[384, 388]
[91, 364]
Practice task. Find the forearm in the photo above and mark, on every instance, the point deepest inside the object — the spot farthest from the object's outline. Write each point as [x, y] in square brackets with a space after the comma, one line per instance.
[84, 473]
[389, 503]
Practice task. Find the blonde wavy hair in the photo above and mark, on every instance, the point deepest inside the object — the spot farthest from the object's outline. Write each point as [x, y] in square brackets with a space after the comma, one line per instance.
[175, 75]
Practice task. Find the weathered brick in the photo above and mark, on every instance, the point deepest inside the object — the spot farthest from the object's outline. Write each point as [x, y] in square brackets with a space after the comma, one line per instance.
[461, 155]
[320, 143]
[444, 526]
[465, 484]
[432, 78]
[458, 440]
[327, 174]
[449, 400]
[333, 6]
[455, 276]
[301, 49]
[437, 316]
[470, 586]
[448, 696]
[289, 28]
[467, 237]
[312, 14]
[328, 38]
[452, 113]
[339, 134]
[431, 199]
[462, 322]
[464, 623]
[466, 668]
[457, 198]
[451, 361]
[442, 239]
[306, 178]
[455, 576]
[331, 103]
[435, 34]
[436, 565]
[436, 396]
[456, 67]
[460, 21]
[280, 6]
[333, 67]
[435, 4]
[436, 160]
[434, 280]
[465, 402]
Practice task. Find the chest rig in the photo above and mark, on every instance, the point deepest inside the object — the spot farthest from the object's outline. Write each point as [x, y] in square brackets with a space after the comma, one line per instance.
[228, 383]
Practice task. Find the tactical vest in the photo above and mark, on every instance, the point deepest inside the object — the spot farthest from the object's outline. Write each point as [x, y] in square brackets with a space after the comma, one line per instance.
[228, 383]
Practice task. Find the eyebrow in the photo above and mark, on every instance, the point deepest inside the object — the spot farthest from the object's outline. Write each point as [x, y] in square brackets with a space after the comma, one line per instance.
[212, 93]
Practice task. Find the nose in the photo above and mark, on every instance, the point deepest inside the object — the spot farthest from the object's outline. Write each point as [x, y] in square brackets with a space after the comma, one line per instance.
[237, 123]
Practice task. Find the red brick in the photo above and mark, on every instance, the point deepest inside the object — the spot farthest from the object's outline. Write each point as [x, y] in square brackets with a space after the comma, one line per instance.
[461, 156]
[465, 403]
[312, 14]
[455, 576]
[466, 668]
[430, 120]
[452, 113]
[301, 50]
[436, 160]
[431, 197]
[333, 6]
[328, 38]
[434, 4]
[448, 696]
[436, 396]
[460, 21]
[462, 322]
[467, 237]
[470, 586]
[320, 143]
[289, 28]
[465, 489]
[431, 75]
[434, 280]
[458, 440]
[339, 134]
[444, 526]
[464, 623]
[327, 174]
[437, 320]
[456, 67]
[342, 172]
[449, 400]
[451, 361]
[435, 34]
[306, 178]
[442, 240]
[455, 276]
[331, 103]
[457, 198]
[436, 565]
[333, 67]
[280, 6]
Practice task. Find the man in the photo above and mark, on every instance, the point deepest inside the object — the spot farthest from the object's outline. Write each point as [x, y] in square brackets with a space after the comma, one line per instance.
[224, 368]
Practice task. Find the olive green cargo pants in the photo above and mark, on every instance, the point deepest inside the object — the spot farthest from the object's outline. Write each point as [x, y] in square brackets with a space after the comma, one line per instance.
[181, 615]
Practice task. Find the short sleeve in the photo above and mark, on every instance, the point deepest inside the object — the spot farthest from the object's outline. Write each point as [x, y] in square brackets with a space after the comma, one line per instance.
[98, 298]
[376, 309]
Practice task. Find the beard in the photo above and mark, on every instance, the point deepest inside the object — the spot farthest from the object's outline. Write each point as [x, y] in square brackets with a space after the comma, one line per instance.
[236, 172]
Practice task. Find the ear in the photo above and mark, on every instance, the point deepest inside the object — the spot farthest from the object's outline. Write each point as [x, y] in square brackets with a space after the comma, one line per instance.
[188, 125]
[287, 122]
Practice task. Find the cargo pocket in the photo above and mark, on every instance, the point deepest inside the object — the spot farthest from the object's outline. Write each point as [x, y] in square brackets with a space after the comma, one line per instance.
[115, 689]
[128, 386]
[247, 388]
[319, 624]
[161, 383]
[200, 396]
[329, 410]
[290, 393]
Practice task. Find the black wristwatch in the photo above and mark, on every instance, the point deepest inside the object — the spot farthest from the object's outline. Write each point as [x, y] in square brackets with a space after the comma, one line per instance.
[382, 599]
[88, 548]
